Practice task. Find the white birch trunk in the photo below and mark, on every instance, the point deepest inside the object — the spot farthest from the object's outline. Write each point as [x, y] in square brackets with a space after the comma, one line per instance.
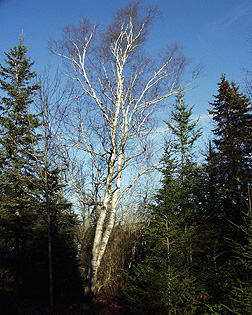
[124, 92]
[102, 238]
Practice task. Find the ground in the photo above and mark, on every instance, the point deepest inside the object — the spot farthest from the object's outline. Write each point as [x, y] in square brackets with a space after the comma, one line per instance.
[32, 307]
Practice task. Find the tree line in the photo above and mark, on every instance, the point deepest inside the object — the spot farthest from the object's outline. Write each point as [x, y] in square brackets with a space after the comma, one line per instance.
[77, 217]
[197, 258]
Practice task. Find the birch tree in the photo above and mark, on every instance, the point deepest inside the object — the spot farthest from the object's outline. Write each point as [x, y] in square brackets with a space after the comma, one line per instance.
[117, 89]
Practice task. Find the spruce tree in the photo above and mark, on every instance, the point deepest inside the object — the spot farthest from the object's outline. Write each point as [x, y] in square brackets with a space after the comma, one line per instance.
[241, 292]
[227, 202]
[231, 156]
[184, 134]
[164, 283]
[63, 222]
[18, 180]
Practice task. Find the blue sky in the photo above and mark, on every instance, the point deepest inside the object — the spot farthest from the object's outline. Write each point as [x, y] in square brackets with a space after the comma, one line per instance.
[214, 33]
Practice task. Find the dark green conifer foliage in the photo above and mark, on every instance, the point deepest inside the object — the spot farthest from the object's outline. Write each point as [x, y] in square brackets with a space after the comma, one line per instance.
[164, 283]
[237, 286]
[184, 134]
[184, 131]
[229, 176]
[63, 221]
[241, 292]
[18, 180]
[231, 157]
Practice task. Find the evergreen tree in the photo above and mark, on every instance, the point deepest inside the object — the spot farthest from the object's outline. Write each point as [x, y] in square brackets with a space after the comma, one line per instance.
[184, 135]
[165, 282]
[229, 176]
[63, 222]
[241, 298]
[214, 272]
[231, 157]
[18, 180]
[237, 286]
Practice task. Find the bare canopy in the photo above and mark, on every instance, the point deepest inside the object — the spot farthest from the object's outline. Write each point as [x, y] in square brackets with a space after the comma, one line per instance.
[118, 88]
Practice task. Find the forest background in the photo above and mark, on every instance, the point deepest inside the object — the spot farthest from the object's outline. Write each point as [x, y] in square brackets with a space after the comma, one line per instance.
[93, 219]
